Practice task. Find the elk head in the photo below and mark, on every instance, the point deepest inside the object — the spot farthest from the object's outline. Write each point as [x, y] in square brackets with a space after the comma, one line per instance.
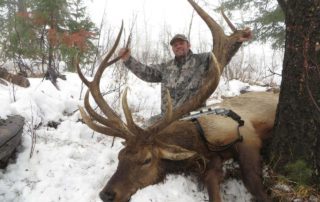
[140, 159]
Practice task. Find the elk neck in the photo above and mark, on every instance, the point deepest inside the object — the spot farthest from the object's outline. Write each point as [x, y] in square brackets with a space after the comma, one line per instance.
[184, 134]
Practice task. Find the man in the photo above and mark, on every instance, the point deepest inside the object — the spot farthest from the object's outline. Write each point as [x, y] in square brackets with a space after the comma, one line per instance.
[181, 76]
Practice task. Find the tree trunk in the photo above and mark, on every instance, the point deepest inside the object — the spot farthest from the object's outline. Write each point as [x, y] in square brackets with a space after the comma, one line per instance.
[295, 147]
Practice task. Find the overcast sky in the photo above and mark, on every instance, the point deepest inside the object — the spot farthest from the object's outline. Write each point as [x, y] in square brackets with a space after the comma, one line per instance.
[152, 17]
[174, 12]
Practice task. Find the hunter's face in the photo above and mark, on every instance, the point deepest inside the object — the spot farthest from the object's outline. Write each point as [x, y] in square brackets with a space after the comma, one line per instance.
[180, 48]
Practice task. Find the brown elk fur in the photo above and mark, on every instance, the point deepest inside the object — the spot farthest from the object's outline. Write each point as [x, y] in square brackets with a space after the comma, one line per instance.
[133, 174]
[258, 111]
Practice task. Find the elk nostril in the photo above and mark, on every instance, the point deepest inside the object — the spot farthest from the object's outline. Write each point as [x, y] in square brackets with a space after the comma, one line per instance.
[107, 196]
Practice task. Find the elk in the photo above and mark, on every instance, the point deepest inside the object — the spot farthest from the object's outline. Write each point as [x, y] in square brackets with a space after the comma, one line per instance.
[175, 145]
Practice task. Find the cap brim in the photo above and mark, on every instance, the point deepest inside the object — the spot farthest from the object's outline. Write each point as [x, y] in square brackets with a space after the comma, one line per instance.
[177, 39]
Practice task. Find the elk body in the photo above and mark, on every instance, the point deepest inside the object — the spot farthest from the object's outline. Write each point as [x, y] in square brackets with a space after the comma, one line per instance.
[180, 148]
[172, 145]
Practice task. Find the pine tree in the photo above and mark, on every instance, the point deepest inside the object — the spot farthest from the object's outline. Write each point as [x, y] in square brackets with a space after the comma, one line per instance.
[267, 19]
[77, 42]
[47, 31]
[16, 33]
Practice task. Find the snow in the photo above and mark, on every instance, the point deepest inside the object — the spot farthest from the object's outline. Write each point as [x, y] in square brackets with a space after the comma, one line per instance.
[72, 163]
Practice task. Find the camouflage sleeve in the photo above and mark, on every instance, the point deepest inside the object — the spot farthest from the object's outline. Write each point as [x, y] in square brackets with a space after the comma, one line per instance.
[149, 73]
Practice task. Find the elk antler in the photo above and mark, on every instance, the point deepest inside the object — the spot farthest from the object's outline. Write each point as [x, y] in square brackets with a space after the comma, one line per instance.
[209, 85]
[112, 125]
[224, 47]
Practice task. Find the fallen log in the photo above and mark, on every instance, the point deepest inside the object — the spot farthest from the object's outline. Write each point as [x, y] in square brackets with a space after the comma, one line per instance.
[10, 137]
[14, 78]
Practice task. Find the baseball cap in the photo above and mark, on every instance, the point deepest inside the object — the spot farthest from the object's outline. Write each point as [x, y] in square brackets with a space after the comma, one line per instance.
[178, 37]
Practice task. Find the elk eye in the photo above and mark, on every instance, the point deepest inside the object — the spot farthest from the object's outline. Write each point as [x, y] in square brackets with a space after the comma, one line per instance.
[146, 161]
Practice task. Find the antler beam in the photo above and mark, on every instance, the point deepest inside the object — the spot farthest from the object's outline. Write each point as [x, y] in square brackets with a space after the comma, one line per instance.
[112, 125]
[224, 47]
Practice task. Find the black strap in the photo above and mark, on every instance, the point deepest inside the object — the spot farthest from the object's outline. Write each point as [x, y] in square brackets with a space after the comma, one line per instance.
[199, 129]
[216, 148]
[235, 117]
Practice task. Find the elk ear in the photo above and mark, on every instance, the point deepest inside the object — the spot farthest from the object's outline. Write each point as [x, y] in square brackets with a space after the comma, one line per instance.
[174, 152]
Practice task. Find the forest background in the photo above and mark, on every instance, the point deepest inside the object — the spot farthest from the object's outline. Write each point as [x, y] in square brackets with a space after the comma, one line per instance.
[43, 38]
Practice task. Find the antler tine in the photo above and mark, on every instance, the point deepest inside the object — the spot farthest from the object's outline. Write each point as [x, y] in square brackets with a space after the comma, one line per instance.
[102, 129]
[82, 77]
[95, 84]
[230, 24]
[113, 125]
[218, 35]
[130, 123]
[224, 47]
[168, 117]
[95, 115]
[169, 111]
[210, 84]
[105, 62]
[125, 52]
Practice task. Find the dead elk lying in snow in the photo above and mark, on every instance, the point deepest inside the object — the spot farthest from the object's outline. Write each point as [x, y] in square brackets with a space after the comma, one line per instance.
[174, 146]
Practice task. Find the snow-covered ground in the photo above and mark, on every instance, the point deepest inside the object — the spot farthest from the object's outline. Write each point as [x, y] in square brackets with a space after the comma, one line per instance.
[72, 163]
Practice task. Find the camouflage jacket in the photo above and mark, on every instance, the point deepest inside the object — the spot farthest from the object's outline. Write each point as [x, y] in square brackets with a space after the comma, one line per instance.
[181, 78]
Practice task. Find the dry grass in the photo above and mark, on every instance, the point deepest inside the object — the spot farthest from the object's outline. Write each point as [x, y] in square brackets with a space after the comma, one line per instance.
[282, 189]
[279, 188]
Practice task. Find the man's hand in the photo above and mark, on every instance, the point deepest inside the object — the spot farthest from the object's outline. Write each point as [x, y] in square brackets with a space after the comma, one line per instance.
[124, 54]
[247, 35]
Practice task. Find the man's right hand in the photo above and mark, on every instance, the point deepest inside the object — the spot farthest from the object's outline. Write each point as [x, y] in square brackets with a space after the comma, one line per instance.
[124, 54]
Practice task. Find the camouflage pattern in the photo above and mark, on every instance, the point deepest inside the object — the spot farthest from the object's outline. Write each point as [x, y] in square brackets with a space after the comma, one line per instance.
[182, 78]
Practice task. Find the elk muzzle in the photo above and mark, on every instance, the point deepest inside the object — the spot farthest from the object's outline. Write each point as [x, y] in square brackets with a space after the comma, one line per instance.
[112, 195]
[119, 188]
[107, 196]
